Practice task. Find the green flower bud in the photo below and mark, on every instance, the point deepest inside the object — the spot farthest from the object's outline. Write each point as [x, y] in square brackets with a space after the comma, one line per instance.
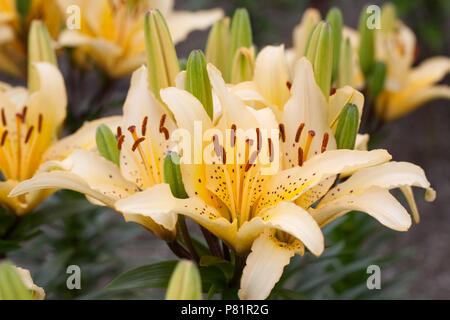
[172, 175]
[388, 18]
[241, 36]
[12, 286]
[243, 66]
[218, 45]
[347, 127]
[320, 54]
[367, 44]
[162, 59]
[107, 144]
[334, 18]
[185, 283]
[197, 80]
[23, 8]
[345, 74]
[377, 79]
[39, 50]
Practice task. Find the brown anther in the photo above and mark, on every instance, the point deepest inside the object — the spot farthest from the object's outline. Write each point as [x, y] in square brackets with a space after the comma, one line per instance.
[251, 161]
[24, 113]
[132, 129]
[233, 136]
[119, 131]
[120, 142]
[289, 85]
[4, 135]
[165, 132]
[282, 132]
[29, 132]
[4, 118]
[40, 120]
[136, 143]
[19, 117]
[162, 121]
[271, 155]
[300, 156]
[332, 91]
[144, 126]
[258, 139]
[299, 132]
[325, 142]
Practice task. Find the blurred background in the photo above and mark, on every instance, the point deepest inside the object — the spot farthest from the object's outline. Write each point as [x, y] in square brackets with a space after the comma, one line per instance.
[414, 264]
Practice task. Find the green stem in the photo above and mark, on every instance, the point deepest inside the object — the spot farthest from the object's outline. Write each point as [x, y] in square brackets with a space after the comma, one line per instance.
[187, 238]
[213, 243]
[211, 292]
[239, 263]
[178, 250]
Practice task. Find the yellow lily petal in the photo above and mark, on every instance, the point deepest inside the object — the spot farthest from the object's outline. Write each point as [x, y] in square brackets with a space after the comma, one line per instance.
[375, 201]
[264, 267]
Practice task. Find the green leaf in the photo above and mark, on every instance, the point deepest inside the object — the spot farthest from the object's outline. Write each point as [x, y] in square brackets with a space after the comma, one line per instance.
[151, 276]
[12, 286]
[107, 144]
[225, 266]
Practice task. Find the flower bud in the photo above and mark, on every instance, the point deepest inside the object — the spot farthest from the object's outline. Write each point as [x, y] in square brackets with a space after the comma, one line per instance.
[185, 283]
[241, 36]
[388, 18]
[320, 54]
[162, 59]
[303, 31]
[218, 45]
[23, 8]
[345, 74]
[243, 66]
[366, 45]
[197, 81]
[172, 175]
[377, 79]
[347, 128]
[107, 144]
[334, 18]
[12, 286]
[39, 50]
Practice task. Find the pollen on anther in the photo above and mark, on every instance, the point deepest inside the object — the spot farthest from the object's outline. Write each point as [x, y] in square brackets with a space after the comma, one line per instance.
[300, 156]
[299, 132]
[144, 126]
[4, 118]
[4, 135]
[120, 142]
[136, 143]
[282, 132]
[28, 136]
[325, 142]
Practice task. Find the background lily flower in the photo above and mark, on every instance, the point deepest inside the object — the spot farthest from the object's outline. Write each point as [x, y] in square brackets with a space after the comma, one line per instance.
[112, 32]
[14, 26]
[30, 126]
[143, 140]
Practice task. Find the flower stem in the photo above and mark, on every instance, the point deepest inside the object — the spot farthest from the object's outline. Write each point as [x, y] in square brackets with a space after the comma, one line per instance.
[187, 238]
[178, 250]
[213, 243]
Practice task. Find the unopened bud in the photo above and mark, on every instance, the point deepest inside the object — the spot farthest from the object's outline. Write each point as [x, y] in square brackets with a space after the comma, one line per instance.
[39, 50]
[241, 35]
[388, 18]
[185, 283]
[172, 175]
[303, 31]
[243, 66]
[347, 128]
[218, 45]
[377, 79]
[345, 74]
[320, 54]
[162, 59]
[107, 144]
[12, 286]
[366, 45]
[334, 18]
[197, 80]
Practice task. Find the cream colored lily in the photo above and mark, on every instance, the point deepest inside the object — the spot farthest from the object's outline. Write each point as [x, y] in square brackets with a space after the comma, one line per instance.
[13, 33]
[143, 139]
[247, 209]
[407, 87]
[25, 275]
[112, 32]
[29, 127]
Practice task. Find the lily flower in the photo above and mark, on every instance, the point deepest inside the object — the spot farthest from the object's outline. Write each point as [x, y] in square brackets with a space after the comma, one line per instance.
[37, 292]
[407, 87]
[14, 29]
[143, 140]
[247, 208]
[112, 32]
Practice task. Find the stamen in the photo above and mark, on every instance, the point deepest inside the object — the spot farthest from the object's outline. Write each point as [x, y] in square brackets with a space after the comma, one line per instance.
[28, 136]
[300, 156]
[233, 136]
[251, 161]
[289, 85]
[325, 142]
[144, 126]
[119, 131]
[136, 143]
[258, 139]
[271, 155]
[4, 135]
[40, 119]
[162, 121]
[299, 132]
[219, 150]
[311, 135]
[282, 132]
[132, 129]
[24, 113]
[165, 132]
[120, 142]
[4, 118]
